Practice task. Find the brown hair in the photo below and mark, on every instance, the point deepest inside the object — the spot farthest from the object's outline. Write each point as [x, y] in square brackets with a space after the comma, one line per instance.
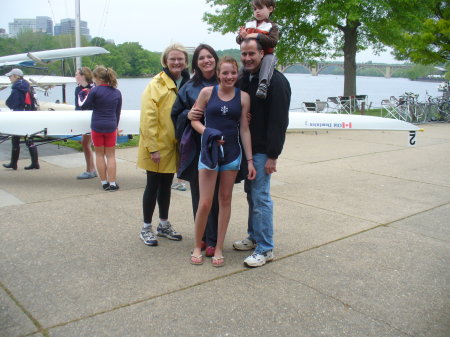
[262, 3]
[198, 76]
[172, 47]
[107, 75]
[226, 59]
[87, 73]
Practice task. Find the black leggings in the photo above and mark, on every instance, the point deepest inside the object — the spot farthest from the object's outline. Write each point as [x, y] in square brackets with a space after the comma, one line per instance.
[158, 189]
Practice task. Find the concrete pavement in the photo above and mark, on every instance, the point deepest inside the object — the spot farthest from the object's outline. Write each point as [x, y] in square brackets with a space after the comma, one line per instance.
[362, 248]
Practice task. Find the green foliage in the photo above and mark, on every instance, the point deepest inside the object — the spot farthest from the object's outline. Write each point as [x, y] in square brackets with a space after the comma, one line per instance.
[428, 42]
[235, 53]
[417, 71]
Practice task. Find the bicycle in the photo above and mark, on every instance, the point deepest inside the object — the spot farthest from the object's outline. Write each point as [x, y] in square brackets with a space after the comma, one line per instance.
[440, 109]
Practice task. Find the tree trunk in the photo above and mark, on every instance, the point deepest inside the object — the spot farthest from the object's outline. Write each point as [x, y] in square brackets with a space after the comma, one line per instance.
[350, 41]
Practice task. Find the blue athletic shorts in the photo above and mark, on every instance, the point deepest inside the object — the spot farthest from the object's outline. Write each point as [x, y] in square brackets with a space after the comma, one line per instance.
[235, 165]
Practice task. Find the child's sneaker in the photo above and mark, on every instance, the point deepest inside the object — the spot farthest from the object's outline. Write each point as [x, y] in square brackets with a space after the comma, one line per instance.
[262, 91]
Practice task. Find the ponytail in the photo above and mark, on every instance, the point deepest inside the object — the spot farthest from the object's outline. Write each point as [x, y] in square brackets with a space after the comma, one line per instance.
[107, 75]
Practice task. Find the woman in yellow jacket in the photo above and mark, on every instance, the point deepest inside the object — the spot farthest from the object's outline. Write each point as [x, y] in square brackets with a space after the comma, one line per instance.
[157, 145]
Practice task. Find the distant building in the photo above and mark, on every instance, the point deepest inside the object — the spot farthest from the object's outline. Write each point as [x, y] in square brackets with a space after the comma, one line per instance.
[40, 24]
[67, 26]
[44, 24]
[3, 32]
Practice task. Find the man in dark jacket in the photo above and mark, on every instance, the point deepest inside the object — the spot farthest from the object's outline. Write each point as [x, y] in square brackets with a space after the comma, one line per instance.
[16, 102]
[269, 121]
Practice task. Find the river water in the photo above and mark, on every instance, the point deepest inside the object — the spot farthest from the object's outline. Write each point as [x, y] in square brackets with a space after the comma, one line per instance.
[304, 88]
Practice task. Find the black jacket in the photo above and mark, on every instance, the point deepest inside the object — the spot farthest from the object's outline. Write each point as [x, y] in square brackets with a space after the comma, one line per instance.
[270, 116]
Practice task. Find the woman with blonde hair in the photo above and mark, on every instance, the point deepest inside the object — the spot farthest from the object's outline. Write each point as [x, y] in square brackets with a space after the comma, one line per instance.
[157, 152]
[106, 102]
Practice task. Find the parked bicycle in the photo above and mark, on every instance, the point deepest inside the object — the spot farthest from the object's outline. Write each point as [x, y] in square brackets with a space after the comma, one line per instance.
[441, 111]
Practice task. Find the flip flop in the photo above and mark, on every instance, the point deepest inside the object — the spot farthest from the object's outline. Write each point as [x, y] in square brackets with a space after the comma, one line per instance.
[196, 260]
[218, 261]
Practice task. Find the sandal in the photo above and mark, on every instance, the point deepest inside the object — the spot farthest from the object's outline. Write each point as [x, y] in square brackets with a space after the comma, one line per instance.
[196, 260]
[218, 261]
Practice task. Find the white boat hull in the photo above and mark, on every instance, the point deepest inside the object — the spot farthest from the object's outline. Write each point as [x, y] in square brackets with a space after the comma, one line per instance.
[61, 122]
[324, 121]
[74, 122]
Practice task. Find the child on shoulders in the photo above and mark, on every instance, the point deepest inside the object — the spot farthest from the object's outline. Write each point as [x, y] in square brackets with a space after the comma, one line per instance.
[267, 33]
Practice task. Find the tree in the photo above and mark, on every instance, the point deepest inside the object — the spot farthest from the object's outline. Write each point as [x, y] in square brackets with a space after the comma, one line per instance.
[428, 42]
[315, 29]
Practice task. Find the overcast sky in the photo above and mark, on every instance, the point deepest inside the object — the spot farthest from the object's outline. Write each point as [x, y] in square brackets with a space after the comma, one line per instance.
[152, 23]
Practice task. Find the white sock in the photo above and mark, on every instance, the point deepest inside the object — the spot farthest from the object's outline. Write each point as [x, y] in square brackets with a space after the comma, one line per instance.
[147, 225]
[112, 183]
[104, 182]
[163, 222]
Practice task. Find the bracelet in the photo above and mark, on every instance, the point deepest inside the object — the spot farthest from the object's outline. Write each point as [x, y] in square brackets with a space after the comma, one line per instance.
[251, 159]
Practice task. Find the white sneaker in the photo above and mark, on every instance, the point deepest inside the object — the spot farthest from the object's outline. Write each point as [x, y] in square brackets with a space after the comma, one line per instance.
[245, 244]
[258, 260]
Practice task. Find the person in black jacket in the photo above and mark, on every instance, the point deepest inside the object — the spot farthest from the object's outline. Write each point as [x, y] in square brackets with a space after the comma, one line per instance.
[16, 102]
[269, 121]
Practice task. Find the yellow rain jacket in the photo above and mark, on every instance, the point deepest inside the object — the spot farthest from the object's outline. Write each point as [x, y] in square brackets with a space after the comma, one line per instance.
[157, 132]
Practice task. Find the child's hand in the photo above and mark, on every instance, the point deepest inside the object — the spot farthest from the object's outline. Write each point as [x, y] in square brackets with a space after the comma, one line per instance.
[242, 32]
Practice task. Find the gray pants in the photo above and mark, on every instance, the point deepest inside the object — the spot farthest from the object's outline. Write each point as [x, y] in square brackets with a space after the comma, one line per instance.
[268, 64]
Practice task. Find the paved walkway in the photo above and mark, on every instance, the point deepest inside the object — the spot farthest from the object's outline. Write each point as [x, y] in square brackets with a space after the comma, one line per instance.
[362, 248]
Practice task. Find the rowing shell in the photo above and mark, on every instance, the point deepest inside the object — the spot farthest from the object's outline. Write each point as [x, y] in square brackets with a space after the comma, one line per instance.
[61, 122]
[47, 55]
[324, 121]
[77, 122]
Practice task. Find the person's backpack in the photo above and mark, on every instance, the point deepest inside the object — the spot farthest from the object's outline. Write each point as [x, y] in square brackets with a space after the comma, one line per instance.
[31, 103]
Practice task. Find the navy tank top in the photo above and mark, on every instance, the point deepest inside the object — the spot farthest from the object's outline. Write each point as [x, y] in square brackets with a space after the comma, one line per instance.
[225, 116]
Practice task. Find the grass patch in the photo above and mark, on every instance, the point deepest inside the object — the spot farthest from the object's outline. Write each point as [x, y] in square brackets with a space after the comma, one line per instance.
[130, 143]
[75, 144]
[70, 143]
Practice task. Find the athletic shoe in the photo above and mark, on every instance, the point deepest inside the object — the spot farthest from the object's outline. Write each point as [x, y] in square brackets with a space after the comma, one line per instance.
[168, 231]
[148, 236]
[245, 244]
[112, 188]
[258, 260]
[262, 91]
[105, 186]
[87, 175]
[181, 187]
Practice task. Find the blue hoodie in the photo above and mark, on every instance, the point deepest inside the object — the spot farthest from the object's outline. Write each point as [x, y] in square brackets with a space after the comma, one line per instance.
[211, 153]
[16, 101]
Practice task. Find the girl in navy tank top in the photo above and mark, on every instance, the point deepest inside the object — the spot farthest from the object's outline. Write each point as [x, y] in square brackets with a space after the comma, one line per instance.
[225, 110]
